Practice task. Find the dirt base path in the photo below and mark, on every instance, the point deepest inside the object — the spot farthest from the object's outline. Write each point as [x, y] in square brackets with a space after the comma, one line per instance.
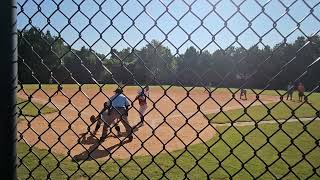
[173, 121]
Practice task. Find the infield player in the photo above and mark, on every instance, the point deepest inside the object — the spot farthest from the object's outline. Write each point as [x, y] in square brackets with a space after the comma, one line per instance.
[142, 98]
[116, 108]
[243, 92]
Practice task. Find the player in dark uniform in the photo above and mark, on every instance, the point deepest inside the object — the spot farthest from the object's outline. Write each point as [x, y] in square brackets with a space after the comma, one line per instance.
[59, 89]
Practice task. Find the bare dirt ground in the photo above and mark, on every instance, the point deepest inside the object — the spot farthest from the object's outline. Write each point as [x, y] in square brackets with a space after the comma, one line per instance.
[62, 132]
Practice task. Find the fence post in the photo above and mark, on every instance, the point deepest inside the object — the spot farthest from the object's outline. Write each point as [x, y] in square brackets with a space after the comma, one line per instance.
[8, 79]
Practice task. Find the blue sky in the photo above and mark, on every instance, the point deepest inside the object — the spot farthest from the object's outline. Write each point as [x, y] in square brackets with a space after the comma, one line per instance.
[110, 22]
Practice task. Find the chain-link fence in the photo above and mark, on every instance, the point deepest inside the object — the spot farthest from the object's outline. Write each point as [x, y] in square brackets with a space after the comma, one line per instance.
[168, 89]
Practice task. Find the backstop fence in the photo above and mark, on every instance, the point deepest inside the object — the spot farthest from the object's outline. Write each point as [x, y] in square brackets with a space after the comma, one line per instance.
[203, 89]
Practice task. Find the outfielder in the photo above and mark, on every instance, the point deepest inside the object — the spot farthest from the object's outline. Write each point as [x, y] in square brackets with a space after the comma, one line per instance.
[301, 90]
[243, 92]
[59, 89]
[116, 108]
[142, 98]
[290, 89]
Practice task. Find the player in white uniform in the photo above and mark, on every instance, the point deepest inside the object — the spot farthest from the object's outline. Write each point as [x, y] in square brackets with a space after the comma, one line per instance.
[142, 96]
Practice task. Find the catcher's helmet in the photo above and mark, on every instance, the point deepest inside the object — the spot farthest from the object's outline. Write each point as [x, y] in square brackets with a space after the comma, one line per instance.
[118, 91]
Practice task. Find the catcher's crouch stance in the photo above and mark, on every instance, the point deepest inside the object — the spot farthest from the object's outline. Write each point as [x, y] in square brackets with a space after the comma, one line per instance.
[117, 109]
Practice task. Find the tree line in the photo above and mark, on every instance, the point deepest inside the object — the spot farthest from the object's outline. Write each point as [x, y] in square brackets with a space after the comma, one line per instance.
[45, 58]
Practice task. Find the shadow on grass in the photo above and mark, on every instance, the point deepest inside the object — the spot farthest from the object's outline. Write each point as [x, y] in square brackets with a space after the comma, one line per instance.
[94, 153]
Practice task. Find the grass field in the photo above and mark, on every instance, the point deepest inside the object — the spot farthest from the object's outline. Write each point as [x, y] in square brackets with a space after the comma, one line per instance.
[197, 160]
[277, 111]
[33, 109]
[267, 152]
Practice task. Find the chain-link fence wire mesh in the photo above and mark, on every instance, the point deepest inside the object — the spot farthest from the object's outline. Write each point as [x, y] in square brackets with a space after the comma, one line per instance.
[197, 57]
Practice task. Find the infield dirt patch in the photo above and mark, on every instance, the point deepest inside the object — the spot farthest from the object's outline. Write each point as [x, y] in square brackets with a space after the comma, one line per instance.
[173, 120]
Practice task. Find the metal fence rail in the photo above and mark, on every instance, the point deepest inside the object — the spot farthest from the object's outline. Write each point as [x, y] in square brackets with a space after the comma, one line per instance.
[197, 58]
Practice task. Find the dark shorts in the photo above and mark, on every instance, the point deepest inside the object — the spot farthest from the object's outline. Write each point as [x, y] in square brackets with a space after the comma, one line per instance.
[301, 94]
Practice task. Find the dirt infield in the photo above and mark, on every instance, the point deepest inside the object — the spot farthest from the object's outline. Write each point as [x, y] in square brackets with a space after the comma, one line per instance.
[183, 124]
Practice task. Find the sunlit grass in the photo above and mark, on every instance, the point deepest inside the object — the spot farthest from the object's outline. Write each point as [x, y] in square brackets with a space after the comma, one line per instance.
[33, 109]
[227, 157]
[282, 110]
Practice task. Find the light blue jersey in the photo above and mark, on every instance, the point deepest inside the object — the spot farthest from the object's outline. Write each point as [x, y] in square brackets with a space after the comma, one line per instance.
[119, 101]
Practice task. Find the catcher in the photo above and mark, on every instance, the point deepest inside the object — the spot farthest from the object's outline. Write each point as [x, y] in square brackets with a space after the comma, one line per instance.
[116, 108]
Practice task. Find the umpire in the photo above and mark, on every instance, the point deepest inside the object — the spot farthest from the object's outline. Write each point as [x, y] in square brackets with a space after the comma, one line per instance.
[118, 107]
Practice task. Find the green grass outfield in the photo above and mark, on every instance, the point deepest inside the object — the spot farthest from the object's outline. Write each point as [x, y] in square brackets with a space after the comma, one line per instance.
[197, 160]
[277, 111]
[33, 109]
